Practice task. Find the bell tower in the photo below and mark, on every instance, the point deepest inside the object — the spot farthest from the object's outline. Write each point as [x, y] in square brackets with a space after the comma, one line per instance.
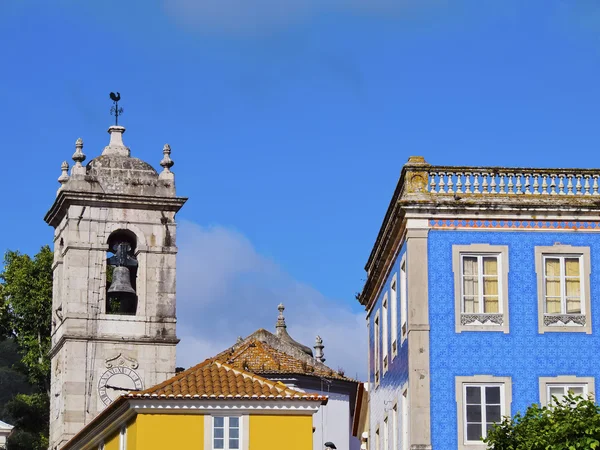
[113, 319]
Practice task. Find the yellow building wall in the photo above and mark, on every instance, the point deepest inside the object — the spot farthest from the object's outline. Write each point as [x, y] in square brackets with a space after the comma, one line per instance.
[168, 431]
[112, 443]
[281, 432]
[132, 435]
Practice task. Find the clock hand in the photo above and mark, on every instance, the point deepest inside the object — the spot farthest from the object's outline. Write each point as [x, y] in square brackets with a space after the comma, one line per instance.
[117, 388]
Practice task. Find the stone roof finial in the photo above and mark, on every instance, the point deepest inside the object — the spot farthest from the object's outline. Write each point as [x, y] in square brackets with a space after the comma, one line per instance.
[166, 163]
[319, 355]
[116, 146]
[64, 176]
[280, 326]
[78, 157]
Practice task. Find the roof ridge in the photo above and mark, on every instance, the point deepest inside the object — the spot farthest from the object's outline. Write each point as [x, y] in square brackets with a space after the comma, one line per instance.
[176, 377]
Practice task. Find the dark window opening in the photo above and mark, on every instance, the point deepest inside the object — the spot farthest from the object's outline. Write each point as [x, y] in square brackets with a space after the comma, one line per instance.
[121, 274]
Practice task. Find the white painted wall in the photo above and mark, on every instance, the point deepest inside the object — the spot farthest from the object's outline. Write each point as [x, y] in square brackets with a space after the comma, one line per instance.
[333, 423]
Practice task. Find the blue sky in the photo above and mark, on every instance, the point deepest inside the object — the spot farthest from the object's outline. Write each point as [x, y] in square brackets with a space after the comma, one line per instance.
[289, 124]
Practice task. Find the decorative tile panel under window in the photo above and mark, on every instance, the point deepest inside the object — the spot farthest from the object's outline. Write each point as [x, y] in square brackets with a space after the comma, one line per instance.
[481, 401]
[559, 387]
[226, 433]
[481, 287]
[563, 288]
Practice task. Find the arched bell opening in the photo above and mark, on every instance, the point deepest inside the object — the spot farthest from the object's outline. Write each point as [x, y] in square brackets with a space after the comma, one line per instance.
[121, 273]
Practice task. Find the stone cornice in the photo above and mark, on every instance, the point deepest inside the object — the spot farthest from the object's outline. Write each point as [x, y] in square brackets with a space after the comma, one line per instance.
[68, 198]
[85, 338]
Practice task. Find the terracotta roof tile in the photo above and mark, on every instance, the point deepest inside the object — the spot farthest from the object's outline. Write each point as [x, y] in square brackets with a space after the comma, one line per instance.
[214, 379]
[258, 357]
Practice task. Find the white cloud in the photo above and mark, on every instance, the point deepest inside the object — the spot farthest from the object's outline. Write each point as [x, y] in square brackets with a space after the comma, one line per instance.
[225, 289]
[258, 16]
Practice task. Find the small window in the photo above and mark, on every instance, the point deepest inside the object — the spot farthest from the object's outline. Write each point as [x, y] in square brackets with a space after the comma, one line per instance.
[403, 301]
[386, 432]
[226, 433]
[377, 354]
[394, 314]
[395, 425]
[563, 288]
[482, 401]
[481, 287]
[559, 387]
[405, 420]
[385, 332]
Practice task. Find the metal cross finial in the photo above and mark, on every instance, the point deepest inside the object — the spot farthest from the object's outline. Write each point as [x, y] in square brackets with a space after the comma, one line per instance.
[115, 110]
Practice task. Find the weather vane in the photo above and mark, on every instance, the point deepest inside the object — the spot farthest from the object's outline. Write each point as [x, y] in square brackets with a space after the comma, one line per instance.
[115, 110]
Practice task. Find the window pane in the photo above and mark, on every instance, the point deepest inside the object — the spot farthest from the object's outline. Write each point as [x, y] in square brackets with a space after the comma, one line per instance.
[471, 305]
[572, 267]
[492, 395]
[573, 287]
[470, 286]
[219, 443]
[219, 433]
[234, 433]
[470, 265]
[553, 305]
[474, 432]
[490, 265]
[493, 413]
[490, 305]
[234, 444]
[573, 306]
[219, 421]
[552, 267]
[576, 390]
[234, 422]
[553, 287]
[556, 391]
[490, 286]
[473, 413]
[473, 395]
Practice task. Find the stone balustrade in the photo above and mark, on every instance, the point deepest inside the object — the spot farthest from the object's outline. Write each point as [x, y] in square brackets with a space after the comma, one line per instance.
[508, 181]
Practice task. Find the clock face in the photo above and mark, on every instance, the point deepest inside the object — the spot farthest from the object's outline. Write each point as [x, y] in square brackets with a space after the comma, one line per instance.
[117, 381]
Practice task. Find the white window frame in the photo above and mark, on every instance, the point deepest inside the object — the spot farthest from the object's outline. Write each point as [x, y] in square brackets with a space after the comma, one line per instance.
[405, 429]
[377, 439]
[403, 300]
[376, 349]
[394, 314]
[576, 323]
[481, 321]
[395, 426]
[462, 383]
[588, 383]
[384, 331]
[123, 438]
[226, 429]
[386, 434]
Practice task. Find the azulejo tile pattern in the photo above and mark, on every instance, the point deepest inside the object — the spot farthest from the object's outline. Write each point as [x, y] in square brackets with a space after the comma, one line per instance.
[389, 391]
[516, 224]
[523, 354]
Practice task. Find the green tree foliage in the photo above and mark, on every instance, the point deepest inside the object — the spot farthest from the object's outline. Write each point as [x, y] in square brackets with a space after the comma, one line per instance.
[30, 414]
[570, 424]
[25, 315]
[26, 310]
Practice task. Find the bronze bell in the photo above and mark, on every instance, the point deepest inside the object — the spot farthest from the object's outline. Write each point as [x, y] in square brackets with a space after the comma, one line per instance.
[121, 282]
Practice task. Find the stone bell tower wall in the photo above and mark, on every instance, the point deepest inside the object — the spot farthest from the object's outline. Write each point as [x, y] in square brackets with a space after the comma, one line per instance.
[113, 193]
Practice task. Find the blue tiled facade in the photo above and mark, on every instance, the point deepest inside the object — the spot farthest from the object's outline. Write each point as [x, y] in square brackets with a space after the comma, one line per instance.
[523, 354]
